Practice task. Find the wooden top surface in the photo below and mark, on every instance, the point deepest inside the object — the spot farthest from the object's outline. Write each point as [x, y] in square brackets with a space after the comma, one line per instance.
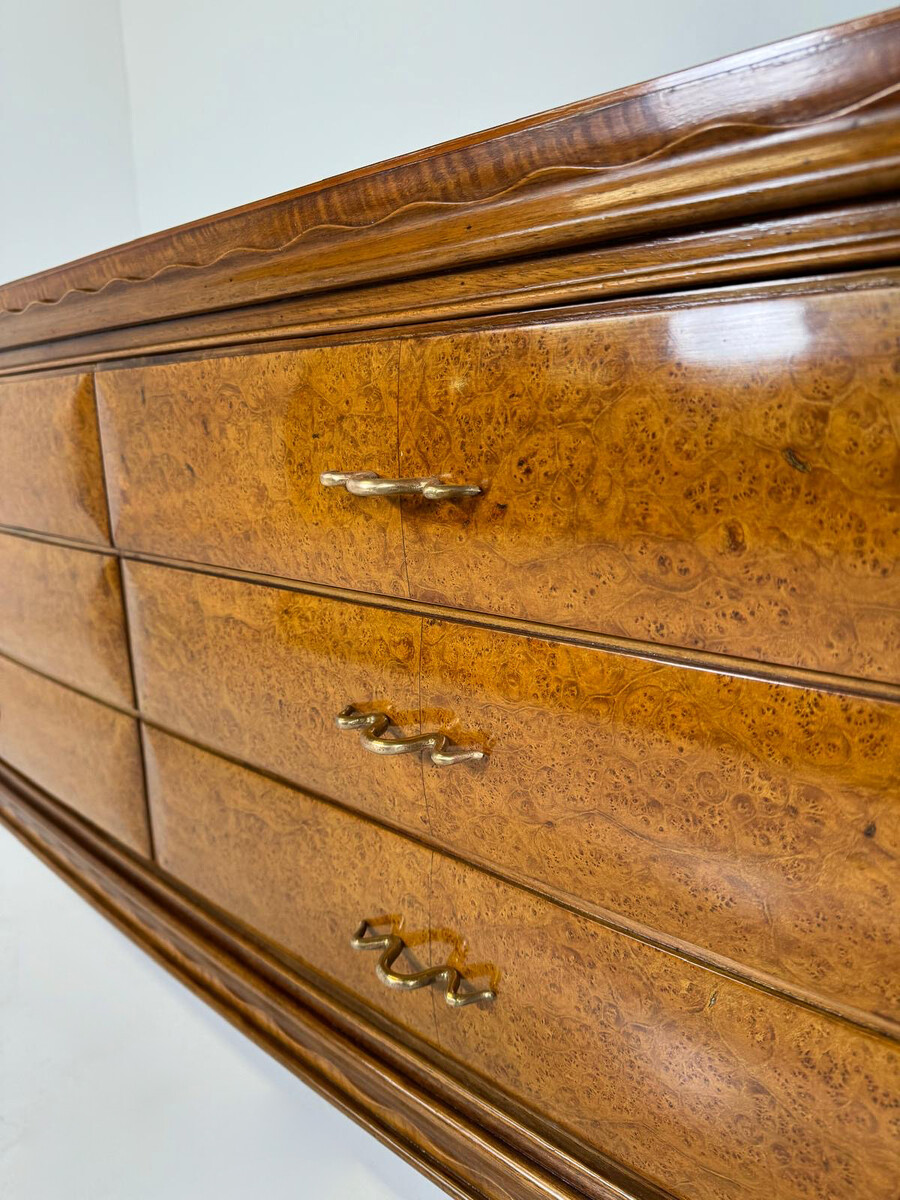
[809, 120]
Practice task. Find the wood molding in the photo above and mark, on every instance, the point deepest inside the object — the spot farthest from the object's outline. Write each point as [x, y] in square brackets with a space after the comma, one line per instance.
[853, 237]
[814, 120]
[472, 1144]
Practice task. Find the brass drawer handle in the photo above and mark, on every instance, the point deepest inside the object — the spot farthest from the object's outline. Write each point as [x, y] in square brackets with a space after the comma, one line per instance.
[370, 483]
[392, 947]
[372, 727]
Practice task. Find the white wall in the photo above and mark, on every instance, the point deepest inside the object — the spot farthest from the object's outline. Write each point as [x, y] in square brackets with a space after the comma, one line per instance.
[234, 101]
[115, 1084]
[68, 185]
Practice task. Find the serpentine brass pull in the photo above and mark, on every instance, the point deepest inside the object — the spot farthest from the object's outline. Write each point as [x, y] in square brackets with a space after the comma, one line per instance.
[370, 483]
[392, 947]
[372, 727]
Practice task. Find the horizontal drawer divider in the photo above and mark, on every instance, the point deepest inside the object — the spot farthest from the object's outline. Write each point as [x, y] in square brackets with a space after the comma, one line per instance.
[695, 660]
[718, 964]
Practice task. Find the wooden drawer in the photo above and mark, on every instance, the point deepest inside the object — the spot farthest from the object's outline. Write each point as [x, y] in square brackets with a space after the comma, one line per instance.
[85, 754]
[721, 475]
[301, 872]
[61, 612]
[219, 462]
[261, 673]
[715, 1088]
[758, 820]
[52, 478]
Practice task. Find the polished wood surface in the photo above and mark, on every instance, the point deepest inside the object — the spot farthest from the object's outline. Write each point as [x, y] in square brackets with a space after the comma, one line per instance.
[50, 468]
[219, 462]
[851, 237]
[671, 620]
[669, 1068]
[752, 820]
[724, 475]
[298, 871]
[809, 121]
[467, 1141]
[61, 612]
[80, 751]
[261, 673]
[758, 821]
[712, 1088]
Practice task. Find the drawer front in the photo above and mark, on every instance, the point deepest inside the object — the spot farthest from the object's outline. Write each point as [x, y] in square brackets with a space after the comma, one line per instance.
[722, 476]
[261, 673]
[677, 1072]
[301, 873]
[219, 461]
[52, 478]
[759, 821]
[61, 612]
[83, 753]
[714, 1089]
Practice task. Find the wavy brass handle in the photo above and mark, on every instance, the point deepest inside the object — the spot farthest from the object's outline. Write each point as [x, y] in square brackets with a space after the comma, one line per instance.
[392, 947]
[373, 726]
[370, 483]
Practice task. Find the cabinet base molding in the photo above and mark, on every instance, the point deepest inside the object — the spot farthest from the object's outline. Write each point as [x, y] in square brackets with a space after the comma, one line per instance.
[469, 1145]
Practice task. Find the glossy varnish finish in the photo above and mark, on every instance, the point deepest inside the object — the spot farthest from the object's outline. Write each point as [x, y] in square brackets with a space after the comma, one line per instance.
[261, 673]
[690, 1078]
[298, 871]
[724, 476]
[758, 821]
[61, 612]
[52, 479]
[809, 121]
[714, 1089]
[82, 752]
[680, 880]
[219, 462]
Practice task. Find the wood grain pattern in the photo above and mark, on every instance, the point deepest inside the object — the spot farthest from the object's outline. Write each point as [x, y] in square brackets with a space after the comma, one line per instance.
[758, 821]
[219, 462]
[298, 871]
[472, 1145]
[80, 751]
[725, 477]
[50, 458]
[61, 612]
[851, 237]
[812, 120]
[261, 674]
[712, 1088]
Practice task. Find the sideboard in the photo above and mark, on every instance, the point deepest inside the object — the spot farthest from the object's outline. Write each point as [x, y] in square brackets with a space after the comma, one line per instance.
[450, 618]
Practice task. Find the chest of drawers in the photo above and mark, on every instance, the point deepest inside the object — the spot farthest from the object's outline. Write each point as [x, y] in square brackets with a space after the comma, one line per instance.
[450, 617]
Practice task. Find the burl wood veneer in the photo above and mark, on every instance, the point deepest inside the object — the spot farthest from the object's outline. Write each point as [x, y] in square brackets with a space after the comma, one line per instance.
[82, 752]
[52, 479]
[681, 1074]
[261, 673]
[219, 462]
[754, 819]
[659, 331]
[711, 1088]
[301, 872]
[722, 475]
[61, 612]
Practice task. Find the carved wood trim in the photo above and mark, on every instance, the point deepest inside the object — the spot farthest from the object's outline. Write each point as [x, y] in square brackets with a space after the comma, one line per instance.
[864, 235]
[814, 120]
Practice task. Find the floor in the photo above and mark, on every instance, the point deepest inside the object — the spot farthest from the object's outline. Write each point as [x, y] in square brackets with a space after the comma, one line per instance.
[140, 1092]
